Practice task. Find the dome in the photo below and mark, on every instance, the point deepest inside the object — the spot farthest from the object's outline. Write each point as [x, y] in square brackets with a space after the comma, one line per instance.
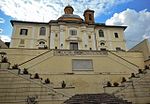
[69, 16]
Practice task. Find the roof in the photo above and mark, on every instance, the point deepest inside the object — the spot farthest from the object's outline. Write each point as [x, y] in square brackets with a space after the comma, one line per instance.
[88, 10]
[2, 44]
[71, 16]
[70, 21]
[102, 98]
[18, 21]
[113, 26]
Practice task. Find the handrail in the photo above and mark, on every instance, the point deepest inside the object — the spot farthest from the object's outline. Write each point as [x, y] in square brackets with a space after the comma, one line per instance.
[127, 66]
[34, 57]
[124, 59]
[39, 62]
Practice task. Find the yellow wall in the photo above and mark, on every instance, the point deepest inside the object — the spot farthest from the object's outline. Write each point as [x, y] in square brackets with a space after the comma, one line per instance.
[143, 47]
[32, 38]
[64, 37]
[58, 67]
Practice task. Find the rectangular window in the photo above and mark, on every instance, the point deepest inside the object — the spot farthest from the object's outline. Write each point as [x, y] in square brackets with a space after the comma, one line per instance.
[23, 31]
[42, 31]
[74, 46]
[73, 32]
[116, 35]
[101, 33]
[82, 64]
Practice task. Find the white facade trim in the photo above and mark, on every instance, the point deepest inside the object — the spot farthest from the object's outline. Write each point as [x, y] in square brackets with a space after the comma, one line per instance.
[52, 40]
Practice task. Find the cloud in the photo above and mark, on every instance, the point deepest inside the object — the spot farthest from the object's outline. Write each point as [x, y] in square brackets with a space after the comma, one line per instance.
[146, 36]
[2, 20]
[5, 38]
[1, 30]
[137, 22]
[45, 10]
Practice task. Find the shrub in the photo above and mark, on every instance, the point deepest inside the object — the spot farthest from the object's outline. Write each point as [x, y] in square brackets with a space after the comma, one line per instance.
[109, 84]
[47, 81]
[132, 75]
[123, 79]
[116, 84]
[140, 71]
[25, 71]
[36, 76]
[4, 60]
[146, 67]
[15, 66]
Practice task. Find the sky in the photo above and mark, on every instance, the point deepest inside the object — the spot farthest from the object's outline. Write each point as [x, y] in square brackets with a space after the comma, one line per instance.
[132, 13]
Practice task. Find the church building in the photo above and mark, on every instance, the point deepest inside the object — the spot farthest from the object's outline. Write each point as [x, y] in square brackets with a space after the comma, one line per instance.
[73, 60]
[69, 31]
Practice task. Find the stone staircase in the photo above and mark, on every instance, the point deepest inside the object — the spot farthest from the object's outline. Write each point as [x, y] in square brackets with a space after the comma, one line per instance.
[101, 98]
[21, 89]
[136, 89]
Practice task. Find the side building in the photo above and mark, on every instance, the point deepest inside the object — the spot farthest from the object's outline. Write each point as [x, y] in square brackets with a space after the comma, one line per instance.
[143, 47]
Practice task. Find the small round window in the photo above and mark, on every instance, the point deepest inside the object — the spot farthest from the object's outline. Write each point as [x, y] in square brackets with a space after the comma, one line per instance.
[102, 44]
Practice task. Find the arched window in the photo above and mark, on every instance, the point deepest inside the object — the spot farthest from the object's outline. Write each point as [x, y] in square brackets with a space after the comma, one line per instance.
[90, 17]
[41, 42]
[116, 35]
[101, 33]
[42, 31]
[102, 44]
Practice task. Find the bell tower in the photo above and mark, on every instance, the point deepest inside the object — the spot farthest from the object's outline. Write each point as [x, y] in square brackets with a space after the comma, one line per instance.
[89, 16]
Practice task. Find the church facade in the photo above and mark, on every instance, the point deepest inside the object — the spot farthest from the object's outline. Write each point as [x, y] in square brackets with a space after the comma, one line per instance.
[69, 31]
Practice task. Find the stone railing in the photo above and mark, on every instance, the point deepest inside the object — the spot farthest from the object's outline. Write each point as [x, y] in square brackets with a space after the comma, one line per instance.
[78, 52]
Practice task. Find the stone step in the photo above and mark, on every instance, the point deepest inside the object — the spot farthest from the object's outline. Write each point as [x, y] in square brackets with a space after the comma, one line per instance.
[19, 85]
[40, 101]
[137, 89]
[23, 94]
[139, 100]
[135, 94]
[139, 86]
[23, 90]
